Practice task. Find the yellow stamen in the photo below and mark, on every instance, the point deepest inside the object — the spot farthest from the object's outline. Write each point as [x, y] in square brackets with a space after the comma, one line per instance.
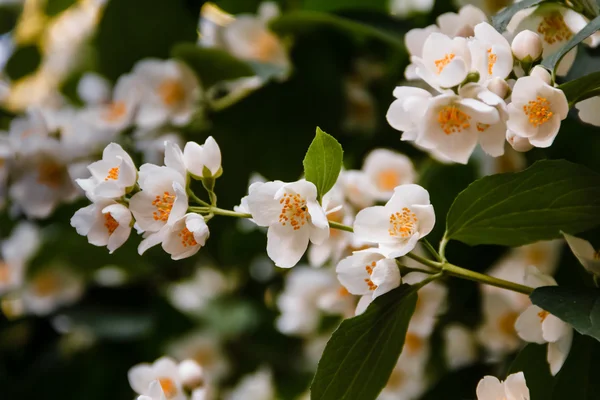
[293, 211]
[187, 238]
[538, 111]
[113, 174]
[172, 92]
[110, 223]
[163, 205]
[443, 62]
[554, 29]
[388, 179]
[453, 120]
[403, 224]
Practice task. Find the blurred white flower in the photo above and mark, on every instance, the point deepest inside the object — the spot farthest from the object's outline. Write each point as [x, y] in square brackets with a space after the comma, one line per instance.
[387, 169]
[498, 334]
[193, 295]
[191, 374]
[169, 92]
[51, 288]
[461, 24]
[154, 392]
[430, 305]
[16, 250]
[460, 346]
[357, 187]
[514, 388]
[293, 215]
[585, 253]
[402, 8]
[256, 386]
[165, 371]
[117, 114]
[93, 89]
[588, 110]
[105, 223]
[206, 350]
[397, 226]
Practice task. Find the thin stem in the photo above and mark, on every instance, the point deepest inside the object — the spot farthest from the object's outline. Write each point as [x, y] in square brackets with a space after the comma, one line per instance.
[197, 199]
[228, 213]
[430, 278]
[431, 249]
[463, 273]
[341, 227]
[442, 251]
[424, 261]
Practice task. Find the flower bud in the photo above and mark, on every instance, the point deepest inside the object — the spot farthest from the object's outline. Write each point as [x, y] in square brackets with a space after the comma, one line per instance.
[499, 87]
[191, 374]
[527, 46]
[518, 143]
[541, 73]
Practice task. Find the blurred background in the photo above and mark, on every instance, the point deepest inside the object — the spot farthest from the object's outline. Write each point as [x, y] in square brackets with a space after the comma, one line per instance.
[101, 314]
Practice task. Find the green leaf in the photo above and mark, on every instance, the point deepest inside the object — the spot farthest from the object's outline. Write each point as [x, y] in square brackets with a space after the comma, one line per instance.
[323, 162]
[302, 21]
[514, 209]
[361, 354]
[579, 307]
[9, 15]
[211, 65]
[55, 7]
[338, 5]
[532, 362]
[151, 29]
[501, 20]
[553, 60]
[24, 61]
[582, 88]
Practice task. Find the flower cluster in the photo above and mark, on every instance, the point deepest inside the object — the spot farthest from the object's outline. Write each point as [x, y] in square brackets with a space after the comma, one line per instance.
[484, 89]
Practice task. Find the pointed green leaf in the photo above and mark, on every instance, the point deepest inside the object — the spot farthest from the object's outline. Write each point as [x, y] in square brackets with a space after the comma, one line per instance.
[361, 354]
[514, 209]
[532, 362]
[582, 88]
[323, 162]
[579, 307]
[554, 59]
[501, 20]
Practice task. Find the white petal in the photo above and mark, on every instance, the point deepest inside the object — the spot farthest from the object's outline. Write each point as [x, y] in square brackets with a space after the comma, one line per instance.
[490, 388]
[559, 351]
[363, 303]
[386, 276]
[553, 328]
[426, 218]
[516, 387]
[285, 246]
[372, 224]
[529, 325]
[263, 206]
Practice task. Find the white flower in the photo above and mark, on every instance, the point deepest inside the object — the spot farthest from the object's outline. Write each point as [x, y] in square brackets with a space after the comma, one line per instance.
[256, 386]
[185, 236]
[293, 215]
[170, 92]
[497, 334]
[119, 113]
[249, 38]
[50, 289]
[397, 226]
[414, 41]
[491, 53]
[203, 161]
[585, 253]
[165, 371]
[527, 45]
[403, 8]
[112, 176]
[194, 295]
[408, 379]
[388, 169]
[461, 24]
[206, 350]
[357, 187]
[368, 273]
[29, 132]
[460, 348]
[93, 89]
[518, 143]
[536, 110]
[445, 62]
[453, 125]
[556, 25]
[514, 388]
[536, 325]
[105, 223]
[155, 392]
[191, 374]
[16, 250]
[588, 110]
[406, 113]
[430, 304]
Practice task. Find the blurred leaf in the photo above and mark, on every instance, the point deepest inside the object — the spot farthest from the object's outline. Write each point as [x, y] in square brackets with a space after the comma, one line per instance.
[303, 21]
[514, 209]
[55, 7]
[361, 354]
[575, 379]
[532, 362]
[579, 307]
[108, 323]
[323, 162]
[554, 59]
[582, 88]
[131, 30]
[9, 14]
[457, 385]
[337, 5]
[501, 20]
[24, 61]
[211, 65]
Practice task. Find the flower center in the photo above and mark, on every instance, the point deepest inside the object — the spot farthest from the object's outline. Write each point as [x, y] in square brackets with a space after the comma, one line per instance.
[413, 343]
[368, 281]
[538, 111]
[172, 92]
[553, 28]
[482, 127]
[388, 179]
[453, 120]
[443, 62]
[115, 111]
[187, 238]
[45, 284]
[168, 387]
[110, 223]
[4, 272]
[506, 323]
[51, 174]
[293, 210]
[113, 174]
[543, 315]
[492, 58]
[403, 224]
[163, 205]
[265, 47]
